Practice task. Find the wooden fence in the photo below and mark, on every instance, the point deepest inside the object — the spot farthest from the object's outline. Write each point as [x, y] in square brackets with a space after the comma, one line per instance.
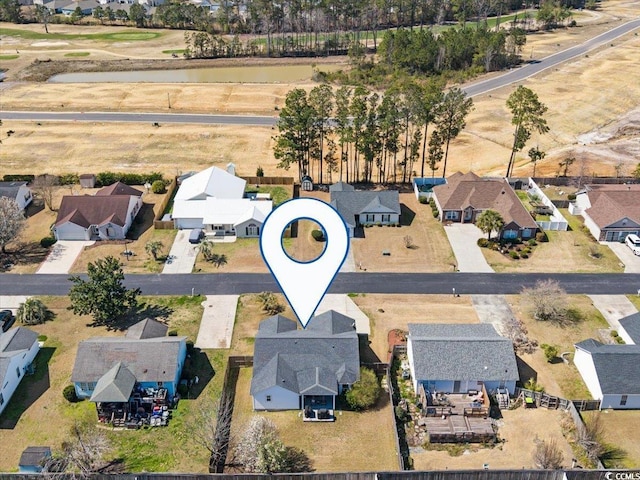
[158, 223]
[269, 180]
[554, 403]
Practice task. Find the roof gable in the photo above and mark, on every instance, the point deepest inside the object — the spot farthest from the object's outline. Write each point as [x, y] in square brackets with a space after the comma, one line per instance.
[147, 328]
[118, 188]
[611, 204]
[10, 189]
[212, 182]
[87, 210]
[631, 325]
[114, 386]
[350, 202]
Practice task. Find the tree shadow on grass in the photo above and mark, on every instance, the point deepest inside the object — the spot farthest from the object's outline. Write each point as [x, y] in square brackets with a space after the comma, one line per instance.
[197, 365]
[144, 311]
[23, 254]
[29, 390]
[613, 456]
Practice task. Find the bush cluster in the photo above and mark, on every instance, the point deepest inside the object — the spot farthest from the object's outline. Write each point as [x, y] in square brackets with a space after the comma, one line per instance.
[104, 179]
[434, 208]
[158, 186]
[46, 242]
[69, 179]
[18, 178]
[550, 351]
[318, 235]
[69, 394]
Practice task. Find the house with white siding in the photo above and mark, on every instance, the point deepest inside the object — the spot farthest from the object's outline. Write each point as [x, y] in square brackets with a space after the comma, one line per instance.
[18, 348]
[107, 215]
[17, 191]
[304, 369]
[214, 200]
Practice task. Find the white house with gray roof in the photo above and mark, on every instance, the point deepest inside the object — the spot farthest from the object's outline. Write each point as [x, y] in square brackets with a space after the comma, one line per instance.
[630, 329]
[18, 347]
[610, 372]
[294, 369]
[362, 207]
[17, 191]
[456, 358]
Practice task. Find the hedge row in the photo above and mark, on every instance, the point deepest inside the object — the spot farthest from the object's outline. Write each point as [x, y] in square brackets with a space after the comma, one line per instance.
[103, 179]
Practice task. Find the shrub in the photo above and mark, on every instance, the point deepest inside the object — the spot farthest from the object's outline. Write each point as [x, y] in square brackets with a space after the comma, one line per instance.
[524, 255]
[69, 179]
[32, 312]
[318, 235]
[158, 187]
[532, 242]
[550, 351]
[259, 172]
[541, 237]
[423, 200]
[533, 385]
[107, 178]
[364, 393]
[483, 242]
[571, 197]
[69, 394]
[172, 333]
[18, 178]
[42, 338]
[513, 254]
[46, 242]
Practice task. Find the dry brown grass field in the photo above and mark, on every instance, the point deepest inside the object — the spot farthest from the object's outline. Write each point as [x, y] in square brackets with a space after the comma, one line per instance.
[594, 100]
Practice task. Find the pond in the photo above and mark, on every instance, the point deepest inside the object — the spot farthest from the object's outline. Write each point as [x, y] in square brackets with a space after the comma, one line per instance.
[252, 74]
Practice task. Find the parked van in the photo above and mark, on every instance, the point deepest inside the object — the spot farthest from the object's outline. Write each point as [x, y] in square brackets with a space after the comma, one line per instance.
[633, 242]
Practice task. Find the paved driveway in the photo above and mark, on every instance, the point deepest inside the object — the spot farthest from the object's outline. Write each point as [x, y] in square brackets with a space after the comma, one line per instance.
[613, 308]
[463, 238]
[11, 302]
[62, 256]
[218, 318]
[182, 256]
[493, 309]
[631, 262]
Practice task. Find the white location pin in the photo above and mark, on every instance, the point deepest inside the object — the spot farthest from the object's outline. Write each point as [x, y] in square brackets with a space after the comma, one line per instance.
[304, 283]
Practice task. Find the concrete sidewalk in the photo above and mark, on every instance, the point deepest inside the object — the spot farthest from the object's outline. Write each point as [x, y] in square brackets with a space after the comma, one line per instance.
[182, 256]
[613, 308]
[63, 255]
[218, 318]
[11, 302]
[463, 238]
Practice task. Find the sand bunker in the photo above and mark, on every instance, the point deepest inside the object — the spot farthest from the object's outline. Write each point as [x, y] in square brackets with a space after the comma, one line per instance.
[49, 44]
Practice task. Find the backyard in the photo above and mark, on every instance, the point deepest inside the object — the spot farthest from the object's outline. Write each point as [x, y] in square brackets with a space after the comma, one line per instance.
[621, 432]
[39, 415]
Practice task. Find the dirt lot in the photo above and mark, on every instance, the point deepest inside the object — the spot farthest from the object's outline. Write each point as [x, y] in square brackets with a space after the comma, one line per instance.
[519, 429]
[598, 101]
[355, 442]
[46, 417]
[621, 431]
[559, 378]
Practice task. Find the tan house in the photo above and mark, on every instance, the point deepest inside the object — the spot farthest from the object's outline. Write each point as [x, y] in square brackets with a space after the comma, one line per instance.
[107, 215]
[465, 196]
[611, 212]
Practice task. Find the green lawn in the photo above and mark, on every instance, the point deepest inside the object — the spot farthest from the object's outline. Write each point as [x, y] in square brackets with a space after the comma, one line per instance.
[9, 57]
[114, 37]
[77, 54]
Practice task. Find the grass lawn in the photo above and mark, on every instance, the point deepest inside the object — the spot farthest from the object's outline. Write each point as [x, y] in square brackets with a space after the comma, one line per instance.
[621, 432]
[570, 251]
[243, 255]
[279, 193]
[39, 415]
[77, 54]
[9, 57]
[356, 441]
[635, 299]
[559, 378]
[113, 37]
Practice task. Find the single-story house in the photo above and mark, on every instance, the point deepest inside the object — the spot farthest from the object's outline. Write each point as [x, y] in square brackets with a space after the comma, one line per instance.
[610, 372]
[465, 196]
[630, 329]
[17, 191]
[33, 459]
[611, 212]
[86, 7]
[18, 347]
[107, 215]
[139, 370]
[214, 200]
[457, 358]
[304, 369]
[358, 207]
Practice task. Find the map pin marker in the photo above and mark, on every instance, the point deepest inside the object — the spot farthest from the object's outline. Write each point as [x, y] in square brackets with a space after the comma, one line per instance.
[304, 283]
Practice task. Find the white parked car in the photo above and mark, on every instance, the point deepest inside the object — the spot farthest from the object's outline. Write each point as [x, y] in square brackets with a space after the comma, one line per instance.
[633, 242]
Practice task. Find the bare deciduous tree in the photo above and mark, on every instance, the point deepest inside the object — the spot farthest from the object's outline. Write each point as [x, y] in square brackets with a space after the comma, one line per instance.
[45, 186]
[547, 301]
[82, 454]
[12, 221]
[590, 437]
[548, 455]
[517, 332]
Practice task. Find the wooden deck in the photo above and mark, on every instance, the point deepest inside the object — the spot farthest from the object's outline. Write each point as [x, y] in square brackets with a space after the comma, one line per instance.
[458, 421]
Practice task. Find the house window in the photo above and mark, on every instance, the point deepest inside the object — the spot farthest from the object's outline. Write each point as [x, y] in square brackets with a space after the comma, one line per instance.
[18, 371]
[370, 217]
[526, 233]
[510, 234]
[623, 400]
[268, 398]
[252, 230]
[451, 215]
[110, 232]
[386, 218]
[87, 386]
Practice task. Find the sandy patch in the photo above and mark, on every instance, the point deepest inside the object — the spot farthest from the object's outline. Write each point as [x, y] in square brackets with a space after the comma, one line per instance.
[49, 44]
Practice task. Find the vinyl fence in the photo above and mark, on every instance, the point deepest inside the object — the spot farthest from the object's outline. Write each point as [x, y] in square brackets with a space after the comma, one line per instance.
[556, 221]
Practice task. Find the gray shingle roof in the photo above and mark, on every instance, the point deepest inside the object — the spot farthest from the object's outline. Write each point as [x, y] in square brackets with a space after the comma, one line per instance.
[147, 328]
[350, 202]
[14, 341]
[308, 361]
[631, 325]
[10, 189]
[150, 360]
[34, 456]
[617, 366]
[115, 385]
[461, 352]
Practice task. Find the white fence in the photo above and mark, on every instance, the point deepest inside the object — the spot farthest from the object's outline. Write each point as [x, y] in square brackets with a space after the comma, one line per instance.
[556, 221]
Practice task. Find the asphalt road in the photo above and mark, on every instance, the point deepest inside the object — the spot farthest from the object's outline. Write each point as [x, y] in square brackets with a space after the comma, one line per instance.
[406, 283]
[513, 76]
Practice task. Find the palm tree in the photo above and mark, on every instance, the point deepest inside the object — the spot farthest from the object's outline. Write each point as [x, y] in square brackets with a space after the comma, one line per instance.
[153, 248]
[32, 312]
[488, 221]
